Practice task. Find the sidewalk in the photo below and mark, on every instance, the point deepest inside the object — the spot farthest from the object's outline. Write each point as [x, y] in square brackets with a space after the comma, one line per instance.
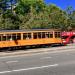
[38, 50]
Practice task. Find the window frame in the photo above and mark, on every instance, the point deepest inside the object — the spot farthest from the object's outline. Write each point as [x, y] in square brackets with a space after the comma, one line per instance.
[27, 36]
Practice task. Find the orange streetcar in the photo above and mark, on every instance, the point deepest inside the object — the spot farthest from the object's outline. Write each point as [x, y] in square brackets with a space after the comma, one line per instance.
[19, 38]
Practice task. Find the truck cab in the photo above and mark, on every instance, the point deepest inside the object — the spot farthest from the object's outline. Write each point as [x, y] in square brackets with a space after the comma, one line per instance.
[68, 37]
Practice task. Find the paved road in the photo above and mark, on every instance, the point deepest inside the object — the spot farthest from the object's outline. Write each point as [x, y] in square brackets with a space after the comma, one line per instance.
[56, 63]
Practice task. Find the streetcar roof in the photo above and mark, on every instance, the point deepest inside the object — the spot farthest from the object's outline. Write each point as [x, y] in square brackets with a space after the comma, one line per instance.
[29, 30]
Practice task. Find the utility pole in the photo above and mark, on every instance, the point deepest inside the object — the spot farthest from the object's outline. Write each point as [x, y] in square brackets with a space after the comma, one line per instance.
[13, 5]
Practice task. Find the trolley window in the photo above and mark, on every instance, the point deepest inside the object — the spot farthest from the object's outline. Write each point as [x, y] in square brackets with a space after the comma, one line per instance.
[9, 37]
[0, 37]
[26, 35]
[18, 36]
[43, 34]
[35, 35]
[29, 35]
[57, 34]
[4, 37]
[47, 34]
[51, 34]
[13, 36]
[39, 35]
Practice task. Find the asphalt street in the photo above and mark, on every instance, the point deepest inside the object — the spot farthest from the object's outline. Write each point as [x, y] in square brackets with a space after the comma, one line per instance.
[57, 63]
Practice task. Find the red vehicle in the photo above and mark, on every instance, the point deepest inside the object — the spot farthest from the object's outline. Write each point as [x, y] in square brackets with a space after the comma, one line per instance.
[68, 37]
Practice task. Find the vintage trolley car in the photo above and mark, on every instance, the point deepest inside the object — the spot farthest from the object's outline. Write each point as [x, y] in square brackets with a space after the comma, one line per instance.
[19, 38]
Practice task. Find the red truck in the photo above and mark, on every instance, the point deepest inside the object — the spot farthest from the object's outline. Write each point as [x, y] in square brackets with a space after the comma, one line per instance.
[68, 37]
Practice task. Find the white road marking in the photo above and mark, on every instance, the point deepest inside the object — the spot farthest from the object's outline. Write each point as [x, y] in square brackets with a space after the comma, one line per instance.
[46, 58]
[32, 68]
[5, 72]
[11, 61]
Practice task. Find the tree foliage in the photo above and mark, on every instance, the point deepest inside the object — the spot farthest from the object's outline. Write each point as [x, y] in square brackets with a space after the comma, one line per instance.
[34, 14]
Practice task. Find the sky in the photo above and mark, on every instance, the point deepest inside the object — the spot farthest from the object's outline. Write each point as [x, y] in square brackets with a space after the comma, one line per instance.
[63, 4]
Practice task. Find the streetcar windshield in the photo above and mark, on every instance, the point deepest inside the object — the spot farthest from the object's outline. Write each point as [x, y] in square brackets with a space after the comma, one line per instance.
[64, 37]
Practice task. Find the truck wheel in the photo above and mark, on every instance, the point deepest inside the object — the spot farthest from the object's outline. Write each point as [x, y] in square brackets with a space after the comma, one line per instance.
[71, 41]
